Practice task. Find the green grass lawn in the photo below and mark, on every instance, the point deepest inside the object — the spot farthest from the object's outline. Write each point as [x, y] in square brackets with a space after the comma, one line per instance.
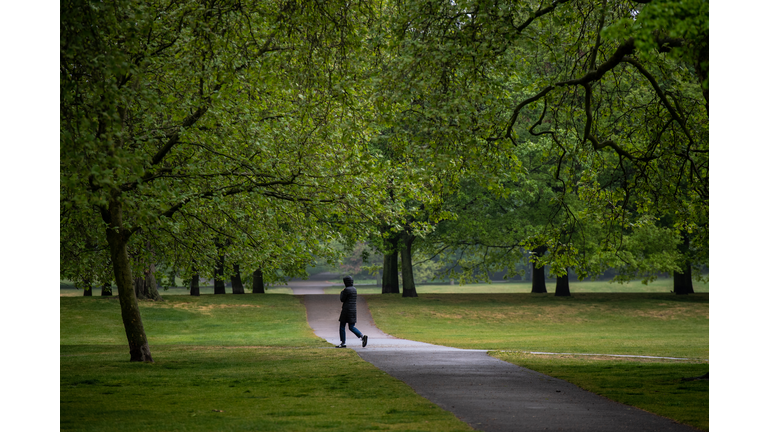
[648, 324]
[224, 363]
[663, 285]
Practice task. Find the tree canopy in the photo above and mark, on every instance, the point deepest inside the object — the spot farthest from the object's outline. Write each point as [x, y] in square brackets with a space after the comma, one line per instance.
[266, 131]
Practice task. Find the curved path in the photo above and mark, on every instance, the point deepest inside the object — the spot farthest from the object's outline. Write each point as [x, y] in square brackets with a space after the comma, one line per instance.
[487, 393]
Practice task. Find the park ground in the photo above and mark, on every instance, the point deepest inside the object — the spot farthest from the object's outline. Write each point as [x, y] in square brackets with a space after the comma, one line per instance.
[251, 361]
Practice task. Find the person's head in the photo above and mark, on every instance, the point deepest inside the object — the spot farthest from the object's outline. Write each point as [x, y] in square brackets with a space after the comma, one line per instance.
[348, 281]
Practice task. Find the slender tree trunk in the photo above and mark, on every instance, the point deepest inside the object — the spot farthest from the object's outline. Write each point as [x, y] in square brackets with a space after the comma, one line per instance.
[106, 290]
[563, 288]
[538, 277]
[406, 263]
[258, 282]
[218, 278]
[117, 238]
[237, 282]
[194, 289]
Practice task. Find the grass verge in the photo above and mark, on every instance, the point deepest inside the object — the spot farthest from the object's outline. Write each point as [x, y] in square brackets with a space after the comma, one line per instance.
[650, 324]
[224, 363]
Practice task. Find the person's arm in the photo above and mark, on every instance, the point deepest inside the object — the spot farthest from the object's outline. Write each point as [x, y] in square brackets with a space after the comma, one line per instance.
[342, 296]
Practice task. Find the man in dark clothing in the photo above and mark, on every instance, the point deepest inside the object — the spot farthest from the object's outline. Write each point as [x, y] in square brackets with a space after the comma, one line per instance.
[349, 313]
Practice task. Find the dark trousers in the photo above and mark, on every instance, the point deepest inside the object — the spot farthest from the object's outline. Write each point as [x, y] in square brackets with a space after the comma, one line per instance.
[343, 333]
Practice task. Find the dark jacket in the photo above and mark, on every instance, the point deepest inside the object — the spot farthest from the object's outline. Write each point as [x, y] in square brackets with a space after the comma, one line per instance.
[349, 308]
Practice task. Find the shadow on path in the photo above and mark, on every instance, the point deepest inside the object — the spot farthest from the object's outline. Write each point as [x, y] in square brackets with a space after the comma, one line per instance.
[486, 393]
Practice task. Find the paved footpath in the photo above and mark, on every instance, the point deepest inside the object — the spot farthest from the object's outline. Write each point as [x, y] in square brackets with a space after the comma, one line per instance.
[487, 393]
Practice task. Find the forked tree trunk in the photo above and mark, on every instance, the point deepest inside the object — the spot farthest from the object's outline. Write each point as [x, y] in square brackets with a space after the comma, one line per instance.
[237, 282]
[106, 290]
[538, 277]
[194, 288]
[258, 282]
[117, 238]
[563, 288]
[406, 263]
[218, 278]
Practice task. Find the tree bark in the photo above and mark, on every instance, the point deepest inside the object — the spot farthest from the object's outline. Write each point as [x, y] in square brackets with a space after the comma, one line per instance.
[106, 290]
[218, 278]
[258, 282]
[538, 277]
[117, 237]
[87, 291]
[237, 282]
[563, 288]
[683, 282]
[150, 284]
[390, 283]
[194, 289]
[406, 264]
[138, 287]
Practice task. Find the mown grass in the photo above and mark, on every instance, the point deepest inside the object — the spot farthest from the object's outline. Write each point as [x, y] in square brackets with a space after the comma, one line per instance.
[647, 324]
[224, 363]
[663, 285]
[657, 386]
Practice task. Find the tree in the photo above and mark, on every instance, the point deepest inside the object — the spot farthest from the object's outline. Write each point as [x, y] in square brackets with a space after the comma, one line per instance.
[617, 91]
[175, 114]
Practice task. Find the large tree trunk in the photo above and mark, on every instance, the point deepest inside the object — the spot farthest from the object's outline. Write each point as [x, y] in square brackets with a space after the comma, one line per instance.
[146, 287]
[390, 283]
[218, 278]
[237, 282]
[258, 282]
[194, 288]
[389, 280]
[138, 287]
[87, 291]
[683, 282]
[538, 277]
[117, 238]
[150, 285]
[563, 288]
[106, 290]
[406, 263]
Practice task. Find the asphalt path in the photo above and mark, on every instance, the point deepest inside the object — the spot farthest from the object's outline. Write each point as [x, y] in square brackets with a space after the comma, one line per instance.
[486, 393]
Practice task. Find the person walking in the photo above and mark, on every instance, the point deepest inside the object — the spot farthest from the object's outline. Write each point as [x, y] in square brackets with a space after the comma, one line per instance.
[349, 313]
